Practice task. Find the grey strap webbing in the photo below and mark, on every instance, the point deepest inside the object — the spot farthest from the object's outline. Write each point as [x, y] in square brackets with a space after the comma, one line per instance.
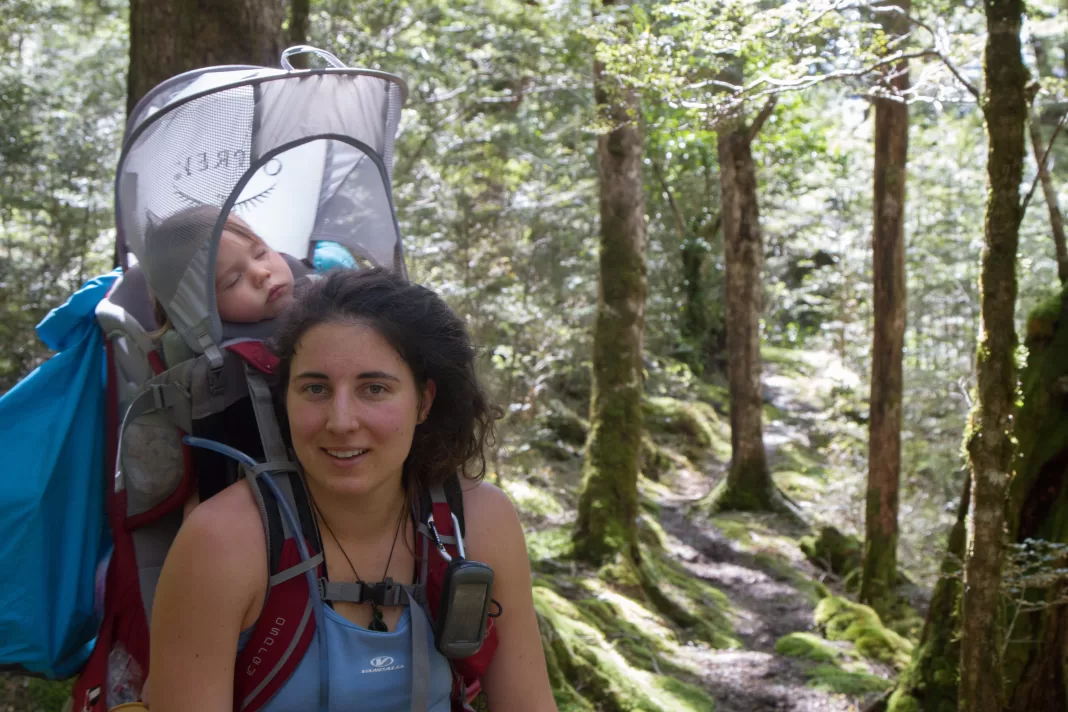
[359, 592]
[274, 449]
[437, 495]
[422, 529]
[420, 657]
[293, 571]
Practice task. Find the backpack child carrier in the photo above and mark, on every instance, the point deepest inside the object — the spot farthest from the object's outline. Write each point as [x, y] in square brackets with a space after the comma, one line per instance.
[302, 156]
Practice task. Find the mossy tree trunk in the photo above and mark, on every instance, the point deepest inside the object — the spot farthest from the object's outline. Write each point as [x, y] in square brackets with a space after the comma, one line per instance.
[168, 37]
[990, 446]
[748, 485]
[1037, 653]
[930, 682]
[608, 504]
[879, 573]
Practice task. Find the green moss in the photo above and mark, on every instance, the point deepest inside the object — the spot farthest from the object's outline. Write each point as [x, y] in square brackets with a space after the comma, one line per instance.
[716, 396]
[853, 684]
[589, 672]
[549, 545]
[532, 500]
[700, 609]
[798, 485]
[902, 702]
[833, 551]
[807, 646]
[1042, 321]
[693, 418]
[49, 696]
[843, 619]
[566, 424]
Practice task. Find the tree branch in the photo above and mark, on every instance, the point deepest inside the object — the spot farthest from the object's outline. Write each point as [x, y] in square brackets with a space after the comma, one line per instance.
[680, 223]
[936, 51]
[761, 118]
[1042, 164]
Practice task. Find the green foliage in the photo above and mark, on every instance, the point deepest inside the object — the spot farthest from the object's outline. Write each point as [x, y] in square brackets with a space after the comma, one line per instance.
[61, 100]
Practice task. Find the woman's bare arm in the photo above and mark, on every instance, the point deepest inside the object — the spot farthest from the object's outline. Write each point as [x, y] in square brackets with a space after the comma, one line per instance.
[517, 680]
[210, 588]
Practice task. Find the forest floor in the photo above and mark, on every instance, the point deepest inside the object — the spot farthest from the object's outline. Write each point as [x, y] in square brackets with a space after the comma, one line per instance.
[756, 561]
[757, 576]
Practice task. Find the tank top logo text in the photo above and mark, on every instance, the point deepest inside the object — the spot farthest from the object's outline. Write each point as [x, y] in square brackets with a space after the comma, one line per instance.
[382, 663]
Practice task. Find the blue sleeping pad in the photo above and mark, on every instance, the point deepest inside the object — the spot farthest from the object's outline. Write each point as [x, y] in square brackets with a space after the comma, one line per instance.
[52, 494]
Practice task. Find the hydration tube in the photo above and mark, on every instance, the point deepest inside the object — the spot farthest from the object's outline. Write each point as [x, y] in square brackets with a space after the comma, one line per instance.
[302, 548]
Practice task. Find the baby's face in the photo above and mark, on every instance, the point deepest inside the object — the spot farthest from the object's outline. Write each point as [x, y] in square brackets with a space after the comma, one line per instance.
[252, 281]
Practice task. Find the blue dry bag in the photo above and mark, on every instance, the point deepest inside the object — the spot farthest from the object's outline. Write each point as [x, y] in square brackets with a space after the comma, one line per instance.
[52, 494]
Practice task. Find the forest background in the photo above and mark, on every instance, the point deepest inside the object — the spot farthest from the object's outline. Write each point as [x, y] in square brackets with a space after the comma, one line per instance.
[497, 191]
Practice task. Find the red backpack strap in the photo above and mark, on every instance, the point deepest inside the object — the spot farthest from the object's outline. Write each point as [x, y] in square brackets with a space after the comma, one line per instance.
[466, 671]
[286, 625]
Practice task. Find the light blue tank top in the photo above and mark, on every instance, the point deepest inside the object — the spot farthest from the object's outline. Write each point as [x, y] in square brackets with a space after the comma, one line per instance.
[366, 667]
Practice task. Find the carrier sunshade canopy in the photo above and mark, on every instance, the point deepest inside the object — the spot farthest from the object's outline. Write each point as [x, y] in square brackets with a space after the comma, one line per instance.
[301, 156]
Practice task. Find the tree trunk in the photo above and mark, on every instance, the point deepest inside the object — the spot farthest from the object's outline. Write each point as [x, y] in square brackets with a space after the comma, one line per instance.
[1037, 653]
[929, 684]
[168, 37]
[1056, 221]
[608, 505]
[879, 575]
[748, 485]
[297, 26]
[990, 446]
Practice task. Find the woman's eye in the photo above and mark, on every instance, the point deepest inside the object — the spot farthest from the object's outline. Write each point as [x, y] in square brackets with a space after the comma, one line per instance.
[376, 389]
[315, 389]
[260, 255]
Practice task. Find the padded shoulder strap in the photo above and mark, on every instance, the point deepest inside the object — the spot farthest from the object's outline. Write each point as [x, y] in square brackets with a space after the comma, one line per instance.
[453, 497]
[286, 625]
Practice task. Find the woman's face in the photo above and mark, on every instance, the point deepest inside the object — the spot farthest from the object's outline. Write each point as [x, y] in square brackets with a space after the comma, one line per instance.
[353, 406]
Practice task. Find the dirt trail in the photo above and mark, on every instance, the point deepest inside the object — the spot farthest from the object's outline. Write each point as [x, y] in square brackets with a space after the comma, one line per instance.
[766, 601]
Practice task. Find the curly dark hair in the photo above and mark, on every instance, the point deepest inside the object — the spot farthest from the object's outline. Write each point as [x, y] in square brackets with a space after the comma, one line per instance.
[434, 343]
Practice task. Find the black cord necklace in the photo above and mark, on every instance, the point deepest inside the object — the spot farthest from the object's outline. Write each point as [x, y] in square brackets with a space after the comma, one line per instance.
[377, 624]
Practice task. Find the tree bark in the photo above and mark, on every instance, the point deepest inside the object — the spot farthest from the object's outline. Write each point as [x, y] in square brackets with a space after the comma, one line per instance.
[929, 684]
[168, 37]
[990, 446]
[1056, 220]
[879, 574]
[748, 485]
[608, 504]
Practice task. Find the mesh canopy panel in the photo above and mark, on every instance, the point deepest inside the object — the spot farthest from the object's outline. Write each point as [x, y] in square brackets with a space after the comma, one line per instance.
[300, 156]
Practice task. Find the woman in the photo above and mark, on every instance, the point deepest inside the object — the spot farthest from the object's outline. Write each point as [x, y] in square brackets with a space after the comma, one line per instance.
[382, 400]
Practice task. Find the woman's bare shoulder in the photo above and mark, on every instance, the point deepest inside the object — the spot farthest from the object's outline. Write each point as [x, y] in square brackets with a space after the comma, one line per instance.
[223, 537]
[491, 524]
